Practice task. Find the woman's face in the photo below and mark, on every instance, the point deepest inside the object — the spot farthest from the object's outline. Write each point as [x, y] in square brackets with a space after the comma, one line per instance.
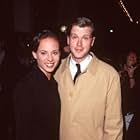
[131, 59]
[47, 55]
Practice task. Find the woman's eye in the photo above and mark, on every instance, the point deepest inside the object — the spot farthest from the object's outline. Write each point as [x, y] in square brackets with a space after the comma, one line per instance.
[55, 52]
[73, 37]
[43, 53]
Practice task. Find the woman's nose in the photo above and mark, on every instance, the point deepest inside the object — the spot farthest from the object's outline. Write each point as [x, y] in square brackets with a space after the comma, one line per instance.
[50, 57]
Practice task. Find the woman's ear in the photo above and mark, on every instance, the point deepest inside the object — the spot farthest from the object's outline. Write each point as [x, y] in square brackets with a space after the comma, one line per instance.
[34, 55]
[68, 40]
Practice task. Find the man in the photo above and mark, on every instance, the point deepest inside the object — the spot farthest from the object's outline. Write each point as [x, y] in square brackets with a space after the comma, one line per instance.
[91, 106]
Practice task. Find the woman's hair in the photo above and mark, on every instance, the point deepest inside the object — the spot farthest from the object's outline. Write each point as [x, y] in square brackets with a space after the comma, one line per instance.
[42, 35]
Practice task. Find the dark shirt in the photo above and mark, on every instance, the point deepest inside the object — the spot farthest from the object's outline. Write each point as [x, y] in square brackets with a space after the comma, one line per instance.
[37, 107]
[134, 128]
[127, 94]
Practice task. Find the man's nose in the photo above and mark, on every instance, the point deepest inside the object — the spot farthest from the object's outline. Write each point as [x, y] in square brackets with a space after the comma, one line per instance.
[79, 42]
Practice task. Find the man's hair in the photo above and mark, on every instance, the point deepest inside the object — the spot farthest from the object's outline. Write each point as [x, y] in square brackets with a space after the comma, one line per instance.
[40, 36]
[81, 22]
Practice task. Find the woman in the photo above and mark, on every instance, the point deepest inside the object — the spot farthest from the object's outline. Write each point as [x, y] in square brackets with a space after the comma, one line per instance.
[36, 99]
[128, 85]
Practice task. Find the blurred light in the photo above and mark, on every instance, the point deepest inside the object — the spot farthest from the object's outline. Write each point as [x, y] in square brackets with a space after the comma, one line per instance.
[28, 45]
[137, 22]
[125, 10]
[111, 31]
[63, 28]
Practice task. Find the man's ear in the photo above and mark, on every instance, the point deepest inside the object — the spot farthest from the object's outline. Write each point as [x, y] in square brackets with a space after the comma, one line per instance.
[93, 40]
[34, 55]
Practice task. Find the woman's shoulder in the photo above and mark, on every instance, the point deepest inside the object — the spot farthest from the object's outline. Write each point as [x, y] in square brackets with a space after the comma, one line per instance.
[25, 82]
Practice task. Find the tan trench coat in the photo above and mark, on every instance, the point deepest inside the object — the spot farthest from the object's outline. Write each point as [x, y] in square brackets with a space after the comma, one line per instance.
[91, 109]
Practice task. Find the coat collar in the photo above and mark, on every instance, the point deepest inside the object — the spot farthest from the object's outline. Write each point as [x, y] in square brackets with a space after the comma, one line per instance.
[92, 67]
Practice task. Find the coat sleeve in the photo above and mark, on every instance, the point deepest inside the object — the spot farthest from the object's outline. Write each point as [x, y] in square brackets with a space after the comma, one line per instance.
[113, 127]
[23, 112]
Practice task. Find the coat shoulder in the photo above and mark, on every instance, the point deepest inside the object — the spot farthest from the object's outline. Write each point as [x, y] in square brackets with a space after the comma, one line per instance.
[107, 68]
[60, 69]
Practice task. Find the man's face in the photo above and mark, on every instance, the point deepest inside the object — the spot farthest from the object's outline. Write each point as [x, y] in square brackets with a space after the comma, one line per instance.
[80, 41]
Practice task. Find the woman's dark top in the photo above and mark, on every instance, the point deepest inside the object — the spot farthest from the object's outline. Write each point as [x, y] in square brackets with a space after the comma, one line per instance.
[37, 107]
[127, 94]
[134, 128]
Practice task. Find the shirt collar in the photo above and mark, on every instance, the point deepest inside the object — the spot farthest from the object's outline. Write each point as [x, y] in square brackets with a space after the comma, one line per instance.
[83, 64]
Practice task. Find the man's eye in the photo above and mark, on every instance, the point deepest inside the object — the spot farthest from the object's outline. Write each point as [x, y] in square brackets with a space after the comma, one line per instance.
[86, 38]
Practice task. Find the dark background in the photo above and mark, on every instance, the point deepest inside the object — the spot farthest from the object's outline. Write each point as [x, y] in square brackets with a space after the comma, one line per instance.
[28, 16]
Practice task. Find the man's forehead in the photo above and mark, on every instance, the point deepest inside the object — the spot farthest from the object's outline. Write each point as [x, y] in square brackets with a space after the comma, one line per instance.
[77, 29]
